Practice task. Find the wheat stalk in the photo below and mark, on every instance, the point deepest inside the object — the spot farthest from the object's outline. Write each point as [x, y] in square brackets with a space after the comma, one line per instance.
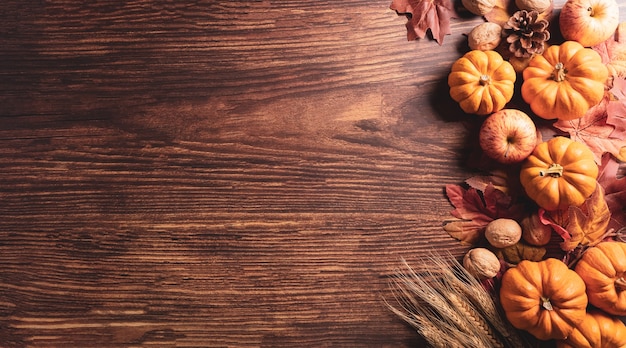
[483, 301]
[448, 307]
[481, 325]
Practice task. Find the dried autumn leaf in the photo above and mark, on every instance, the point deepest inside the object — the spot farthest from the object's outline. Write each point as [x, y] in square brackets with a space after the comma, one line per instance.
[424, 15]
[555, 219]
[613, 52]
[501, 12]
[475, 209]
[614, 184]
[498, 178]
[594, 131]
[504, 9]
[616, 108]
[521, 251]
[589, 226]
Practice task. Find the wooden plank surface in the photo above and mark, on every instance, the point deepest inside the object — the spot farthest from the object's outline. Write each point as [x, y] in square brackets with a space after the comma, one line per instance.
[218, 174]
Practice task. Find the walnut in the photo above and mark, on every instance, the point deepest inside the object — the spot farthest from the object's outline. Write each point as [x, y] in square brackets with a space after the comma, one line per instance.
[534, 232]
[482, 263]
[485, 36]
[502, 233]
[534, 5]
[479, 7]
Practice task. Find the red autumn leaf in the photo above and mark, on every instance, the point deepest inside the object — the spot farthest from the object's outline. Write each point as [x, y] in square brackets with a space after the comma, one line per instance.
[613, 52]
[475, 209]
[614, 183]
[594, 131]
[424, 15]
[556, 220]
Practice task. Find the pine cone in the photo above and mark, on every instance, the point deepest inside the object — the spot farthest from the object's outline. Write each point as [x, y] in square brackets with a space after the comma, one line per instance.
[525, 34]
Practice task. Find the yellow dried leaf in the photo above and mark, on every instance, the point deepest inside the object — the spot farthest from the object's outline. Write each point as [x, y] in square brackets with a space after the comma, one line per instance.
[466, 231]
[505, 9]
[521, 251]
[501, 12]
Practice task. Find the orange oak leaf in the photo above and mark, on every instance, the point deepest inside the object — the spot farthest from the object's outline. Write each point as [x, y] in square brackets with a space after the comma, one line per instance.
[594, 131]
[425, 15]
[474, 209]
[588, 224]
[613, 52]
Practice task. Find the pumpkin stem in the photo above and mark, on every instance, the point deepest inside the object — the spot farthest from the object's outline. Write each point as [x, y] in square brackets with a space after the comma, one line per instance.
[559, 72]
[545, 304]
[555, 170]
[620, 284]
[484, 80]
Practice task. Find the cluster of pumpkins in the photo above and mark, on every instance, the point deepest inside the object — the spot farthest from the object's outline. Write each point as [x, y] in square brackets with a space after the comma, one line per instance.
[579, 306]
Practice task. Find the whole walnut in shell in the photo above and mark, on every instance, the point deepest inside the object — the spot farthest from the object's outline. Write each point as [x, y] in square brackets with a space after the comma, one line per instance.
[482, 263]
[485, 36]
[479, 7]
[502, 233]
[534, 5]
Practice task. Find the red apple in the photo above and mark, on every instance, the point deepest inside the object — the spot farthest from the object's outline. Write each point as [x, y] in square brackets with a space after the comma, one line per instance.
[589, 22]
[508, 136]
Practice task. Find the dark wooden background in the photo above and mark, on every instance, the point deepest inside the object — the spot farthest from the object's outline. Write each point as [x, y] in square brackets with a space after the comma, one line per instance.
[218, 174]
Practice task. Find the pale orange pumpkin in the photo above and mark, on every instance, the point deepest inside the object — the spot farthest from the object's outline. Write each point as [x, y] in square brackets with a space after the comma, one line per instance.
[598, 330]
[482, 82]
[564, 82]
[545, 298]
[559, 173]
[603, 269]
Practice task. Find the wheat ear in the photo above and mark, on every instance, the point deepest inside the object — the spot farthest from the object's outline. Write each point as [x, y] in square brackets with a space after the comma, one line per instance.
[448, 307]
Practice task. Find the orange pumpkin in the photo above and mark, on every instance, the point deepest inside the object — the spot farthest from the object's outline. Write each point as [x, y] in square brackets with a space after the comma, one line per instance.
[560, 172]
[482, 82]
[564, 82]
[545, 298]
[603, 269]
[598, 330]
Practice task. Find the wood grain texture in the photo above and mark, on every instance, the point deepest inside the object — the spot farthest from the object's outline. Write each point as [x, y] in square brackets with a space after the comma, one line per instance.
[218, 174]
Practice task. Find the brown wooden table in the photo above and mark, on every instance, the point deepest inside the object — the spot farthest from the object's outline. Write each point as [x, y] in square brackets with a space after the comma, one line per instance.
[219, 174]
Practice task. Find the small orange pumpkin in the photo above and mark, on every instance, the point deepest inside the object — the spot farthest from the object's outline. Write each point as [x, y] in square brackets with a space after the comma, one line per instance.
[560, 172]
[564, 82]
[482, 82]
[545, 298]
[603, 269]
[598, 330]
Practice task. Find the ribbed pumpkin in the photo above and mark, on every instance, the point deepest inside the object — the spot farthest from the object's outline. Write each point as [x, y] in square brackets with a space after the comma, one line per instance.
[564, 82]
[598, 330]
[545, 298]
[560, 172]
[482, 82]
[603, 269]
